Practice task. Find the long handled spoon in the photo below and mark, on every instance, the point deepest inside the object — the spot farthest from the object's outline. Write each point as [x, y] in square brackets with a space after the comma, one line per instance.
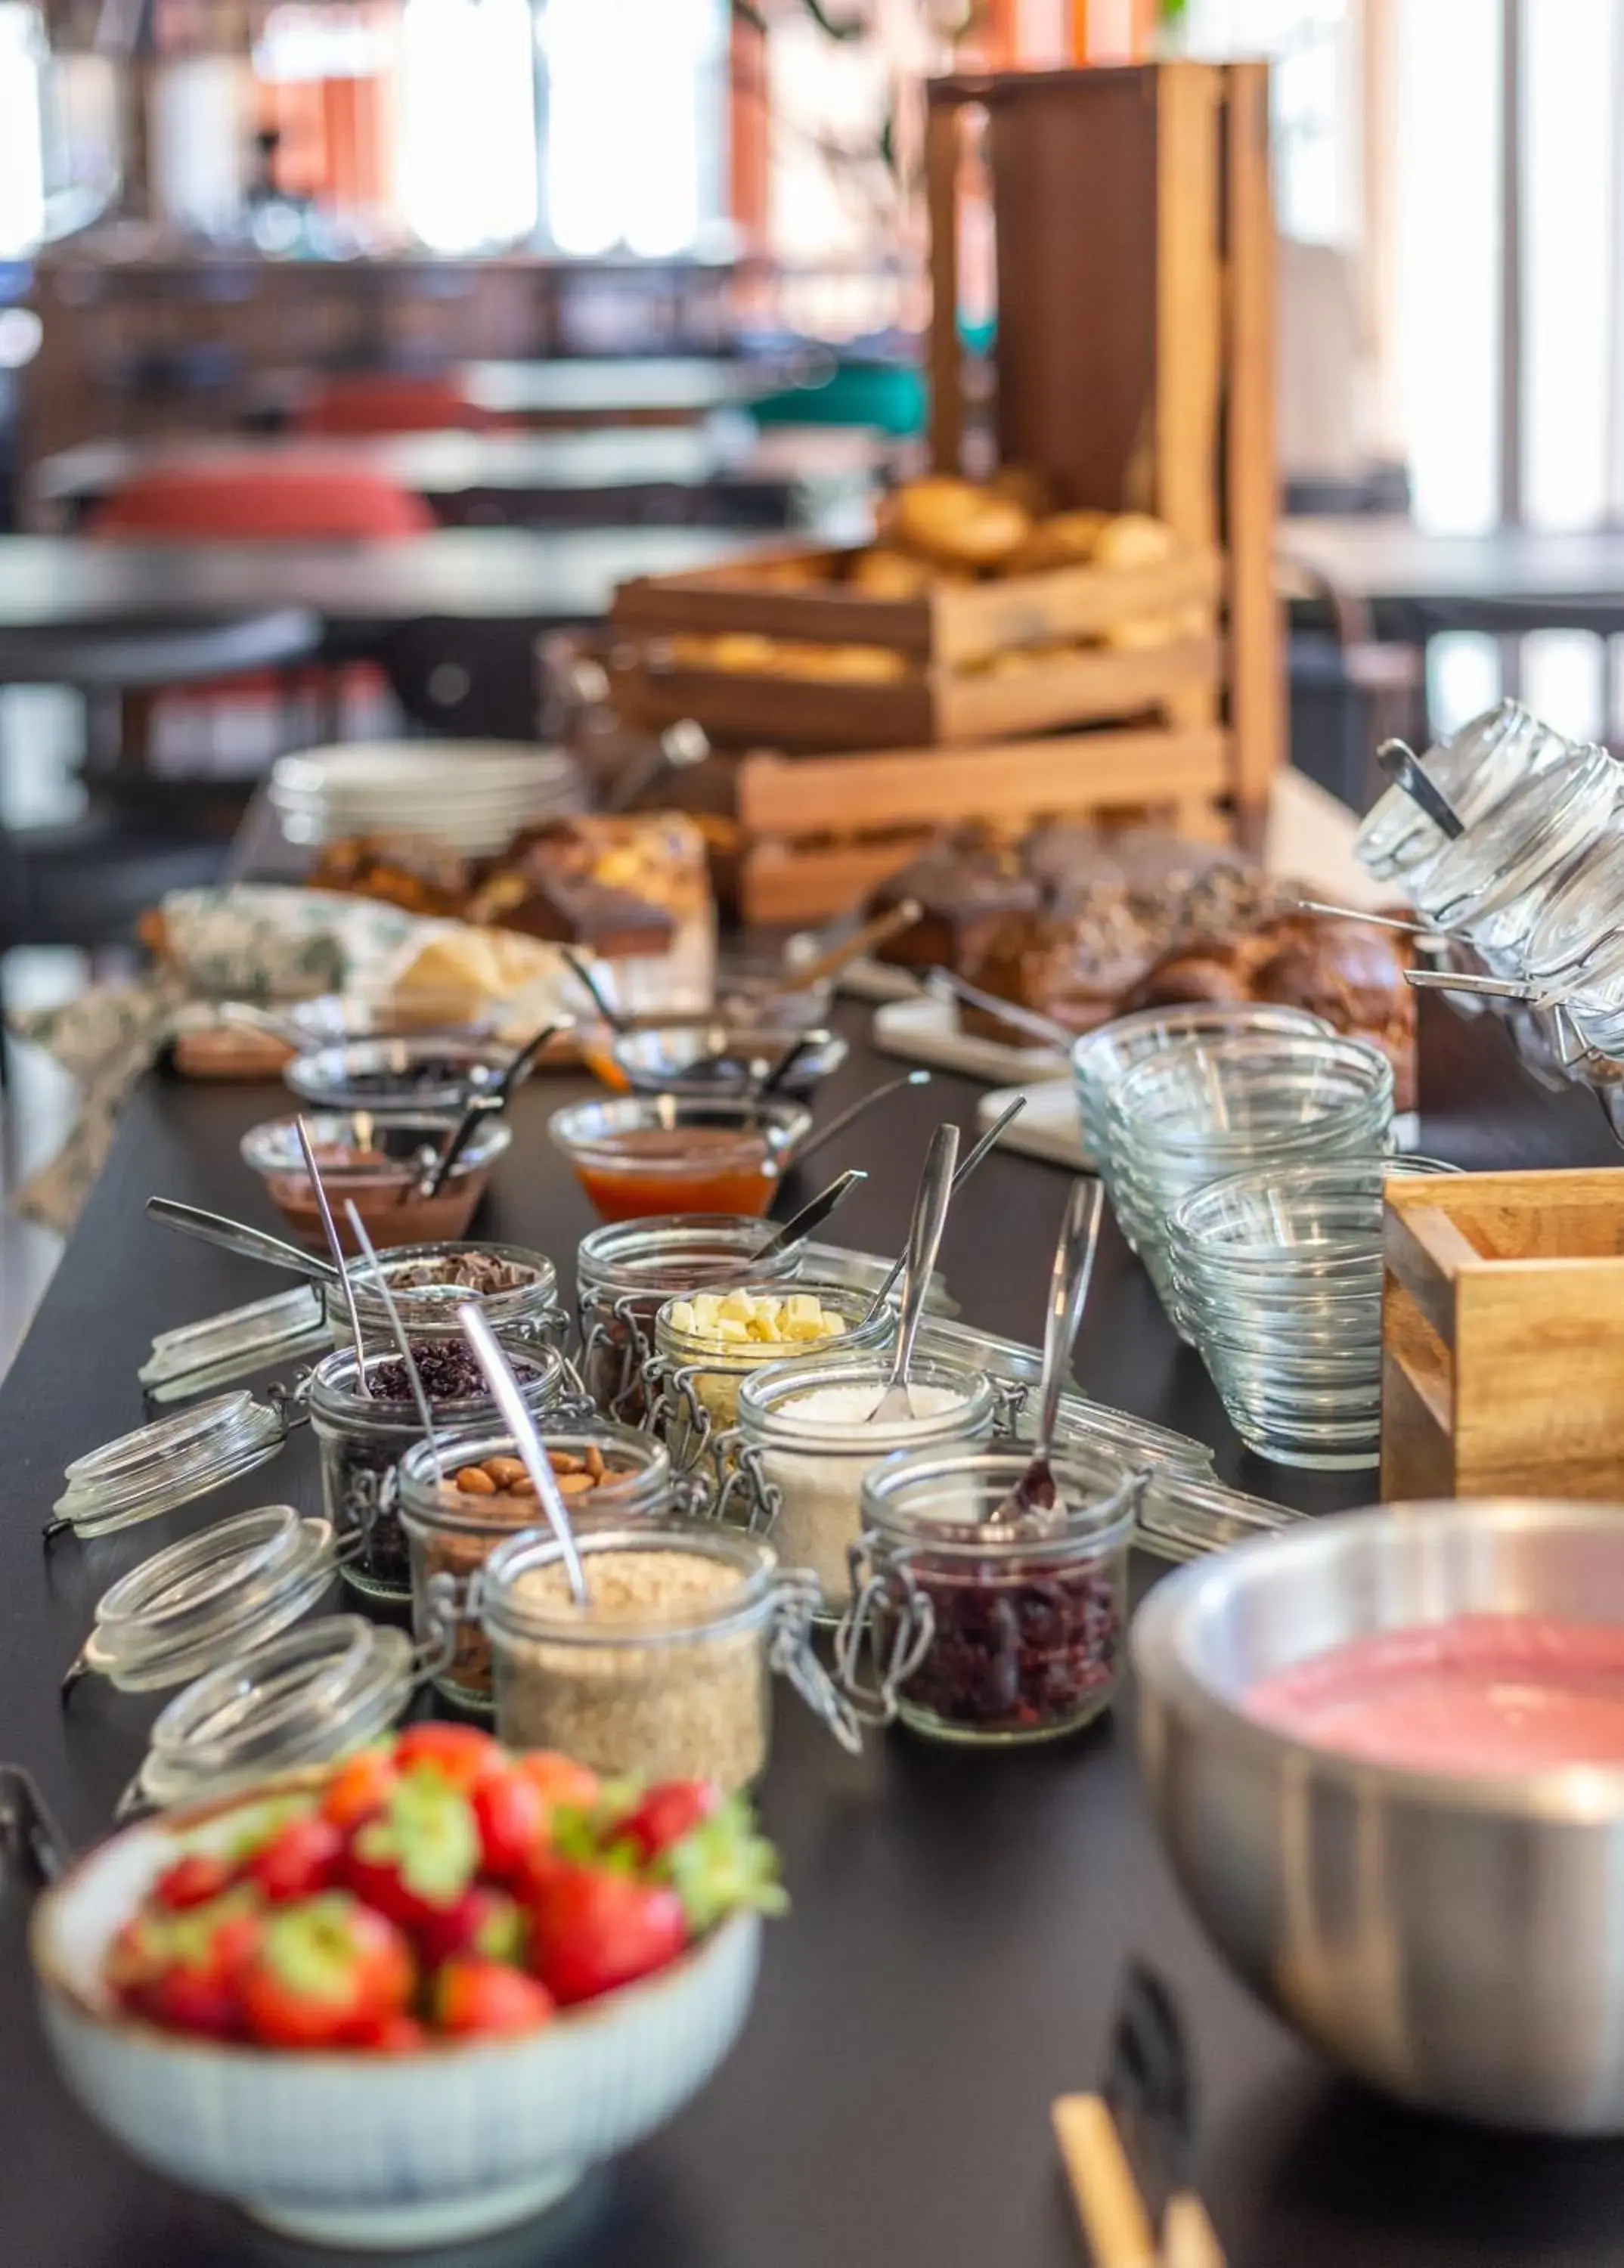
[504, 1392]
[930, 1215]
[1488, 988]
[799, 974]
[337, 1251]
[1375, 921]
[780, 1069]
[482, 1104]
[380, 1285]
[812, 1215]
[816, 1140]
[1403, 767]
[582, 970]
[1068, 1290]
[966, 1169]
[237, 1236]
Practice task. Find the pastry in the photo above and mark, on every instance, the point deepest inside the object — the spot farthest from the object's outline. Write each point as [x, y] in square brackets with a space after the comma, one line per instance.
[953, 521]
[963, 886]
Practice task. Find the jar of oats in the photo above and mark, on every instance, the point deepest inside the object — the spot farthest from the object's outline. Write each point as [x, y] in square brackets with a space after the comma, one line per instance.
[458, 1501]
[665, 1672]
[707, 1342]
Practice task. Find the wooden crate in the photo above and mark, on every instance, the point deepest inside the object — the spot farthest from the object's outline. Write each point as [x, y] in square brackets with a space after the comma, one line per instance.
[1134, 371]
[1502, 1332]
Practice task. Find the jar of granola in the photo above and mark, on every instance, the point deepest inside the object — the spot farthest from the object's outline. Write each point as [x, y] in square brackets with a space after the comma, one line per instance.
[664, 1672]
[458, 1503]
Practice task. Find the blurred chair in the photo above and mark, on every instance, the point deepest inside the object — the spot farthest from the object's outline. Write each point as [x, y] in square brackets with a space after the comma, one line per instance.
[391, 402]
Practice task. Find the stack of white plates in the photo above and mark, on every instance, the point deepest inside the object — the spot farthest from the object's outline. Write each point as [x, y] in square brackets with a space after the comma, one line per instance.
[468, 795]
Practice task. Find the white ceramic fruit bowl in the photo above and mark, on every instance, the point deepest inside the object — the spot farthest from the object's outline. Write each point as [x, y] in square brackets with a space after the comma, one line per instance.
[380, 2153]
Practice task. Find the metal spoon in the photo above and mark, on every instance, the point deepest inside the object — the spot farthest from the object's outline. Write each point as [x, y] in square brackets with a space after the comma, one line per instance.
[988, 1142]
[1068, 1290]
[581, 969]
[811, 1216]
[1376, 921]
[942, 984]
[504, 1392]
[337, 1251]
[414, 1376]
[778, 1071]
[895, 1406]
[481, 1104]
[1492, 988]
[824, 966]
[679, 748]
[237, 1236]
[816, 1140]
[1403, 767]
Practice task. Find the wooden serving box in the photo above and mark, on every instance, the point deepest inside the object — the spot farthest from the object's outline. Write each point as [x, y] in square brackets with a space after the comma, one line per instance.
[1502, 1333]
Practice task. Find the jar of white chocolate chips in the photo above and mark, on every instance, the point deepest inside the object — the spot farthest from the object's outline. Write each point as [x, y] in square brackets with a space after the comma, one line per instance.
[707, 1342]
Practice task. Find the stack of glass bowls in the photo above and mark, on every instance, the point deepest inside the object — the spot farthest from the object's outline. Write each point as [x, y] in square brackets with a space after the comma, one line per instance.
[1276, 1277]
[1102, 1060]
[1208, 1109]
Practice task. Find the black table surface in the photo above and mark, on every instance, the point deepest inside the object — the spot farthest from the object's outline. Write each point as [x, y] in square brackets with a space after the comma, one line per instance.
[960, 1922]
[474, 574]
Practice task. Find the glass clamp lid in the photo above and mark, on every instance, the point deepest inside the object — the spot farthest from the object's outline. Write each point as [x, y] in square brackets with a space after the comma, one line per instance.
[169, 1463]
[207, 1598]
[223, 1348]
[1183, 1518]
[311, 1695]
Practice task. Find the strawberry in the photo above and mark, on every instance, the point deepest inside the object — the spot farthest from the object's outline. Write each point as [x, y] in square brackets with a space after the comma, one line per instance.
[665, 1814]
[196, 1880]
[470, 1998]
[418, 1856]
[513, 1815]
[720, 1865]
[186, 1970]
[329, 1973]
[359, 1788]
[560, 1778]
[301, 1859]
[461, 1754]
[483, 1921]
[594, 1930]
[397, 2034]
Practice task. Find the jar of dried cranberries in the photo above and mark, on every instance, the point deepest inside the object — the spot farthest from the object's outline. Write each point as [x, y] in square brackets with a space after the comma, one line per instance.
[981, 1626]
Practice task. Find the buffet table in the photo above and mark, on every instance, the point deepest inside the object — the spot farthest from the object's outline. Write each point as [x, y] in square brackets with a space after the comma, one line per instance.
[961, 1922]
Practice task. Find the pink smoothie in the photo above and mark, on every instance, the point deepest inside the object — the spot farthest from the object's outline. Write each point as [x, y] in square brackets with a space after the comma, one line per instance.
[1482, 1694]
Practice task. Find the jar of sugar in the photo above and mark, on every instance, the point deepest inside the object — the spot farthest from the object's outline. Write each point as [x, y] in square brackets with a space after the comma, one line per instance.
[807, 1438]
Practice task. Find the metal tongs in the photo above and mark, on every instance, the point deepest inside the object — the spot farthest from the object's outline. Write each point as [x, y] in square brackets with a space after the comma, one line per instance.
[1128, 2149]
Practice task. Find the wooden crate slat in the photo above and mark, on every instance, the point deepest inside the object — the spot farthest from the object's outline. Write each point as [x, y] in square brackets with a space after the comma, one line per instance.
[988, 618]
[835, 615]
[780, 711]
[809, 795]
[1103, 685]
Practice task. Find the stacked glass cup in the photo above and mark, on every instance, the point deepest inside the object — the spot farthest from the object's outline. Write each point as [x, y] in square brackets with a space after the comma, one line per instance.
[1276, 1277]
[1209, 1107]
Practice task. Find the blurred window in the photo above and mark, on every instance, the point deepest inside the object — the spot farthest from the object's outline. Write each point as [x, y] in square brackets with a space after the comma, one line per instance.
[22, 159]
[467, 157]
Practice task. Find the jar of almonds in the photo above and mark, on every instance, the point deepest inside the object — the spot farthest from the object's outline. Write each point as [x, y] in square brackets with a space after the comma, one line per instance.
[707, 1342]
[458, 1501]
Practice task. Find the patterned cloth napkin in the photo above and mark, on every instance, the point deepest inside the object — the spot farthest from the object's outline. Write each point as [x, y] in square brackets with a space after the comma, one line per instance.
[249, 942]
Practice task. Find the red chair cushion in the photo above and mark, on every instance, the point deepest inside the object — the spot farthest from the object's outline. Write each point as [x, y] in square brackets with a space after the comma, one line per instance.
[393, 402]
[288, 502]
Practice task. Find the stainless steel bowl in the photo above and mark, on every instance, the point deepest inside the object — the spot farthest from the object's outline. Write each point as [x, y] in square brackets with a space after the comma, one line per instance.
[1457, 1942]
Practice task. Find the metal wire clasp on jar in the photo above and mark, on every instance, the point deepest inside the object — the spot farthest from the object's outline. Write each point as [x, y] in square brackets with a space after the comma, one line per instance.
[982, 1628]
[665, 1673]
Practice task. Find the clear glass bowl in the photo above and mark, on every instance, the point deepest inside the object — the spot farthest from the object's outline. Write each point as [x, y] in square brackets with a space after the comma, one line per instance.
[705, 1060]
[1102, 1060]
[428, 1071]
[984, 1629]
[659, 1155]
[373, 1157]
[1208, 1108]
[1477, 768]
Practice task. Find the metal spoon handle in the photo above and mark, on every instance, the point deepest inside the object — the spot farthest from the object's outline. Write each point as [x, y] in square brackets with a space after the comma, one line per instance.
[380, 1285]
[799, 974]
[816, 1140]
[801, 1224]
[337, 1251]
[504, 1392]
[930, 1218]
[581, 969]
[778, 1072]
[988, 1142]
[507, 1085]
[1068, 1293]
[237, 1236]
[1359, 914]
[941, 984]
[1492, 988]
[1405, 769]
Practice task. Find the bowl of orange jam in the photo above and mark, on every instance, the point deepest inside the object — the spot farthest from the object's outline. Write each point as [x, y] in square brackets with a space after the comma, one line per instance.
[667, 1153]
